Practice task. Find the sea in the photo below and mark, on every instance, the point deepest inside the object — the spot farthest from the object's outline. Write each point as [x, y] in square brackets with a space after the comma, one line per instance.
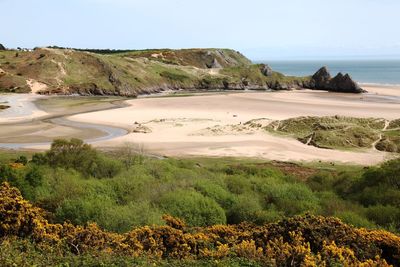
[382, 72]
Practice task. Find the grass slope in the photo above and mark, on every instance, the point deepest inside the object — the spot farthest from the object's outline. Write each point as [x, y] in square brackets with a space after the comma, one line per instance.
[341, 132]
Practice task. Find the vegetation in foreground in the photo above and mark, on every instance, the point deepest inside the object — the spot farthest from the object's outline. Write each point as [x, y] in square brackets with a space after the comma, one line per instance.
[123, 190]
[27, 239]
[338, 132]
[74, 182]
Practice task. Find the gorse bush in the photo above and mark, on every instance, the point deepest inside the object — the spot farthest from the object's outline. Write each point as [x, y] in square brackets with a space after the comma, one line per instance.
[299, 241]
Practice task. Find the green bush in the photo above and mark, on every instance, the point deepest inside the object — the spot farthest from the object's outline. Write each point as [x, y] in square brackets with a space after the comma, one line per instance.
[238, 184]
[22, 159]
[355, 219]
[247, 208]
[322, 181]
[105, 167]
[8, 174]
[386, 216]
[292, 199]
[89, 209]
[330, 203]
[215, 191]
[193, 207]
[34, 176]
[39, 159]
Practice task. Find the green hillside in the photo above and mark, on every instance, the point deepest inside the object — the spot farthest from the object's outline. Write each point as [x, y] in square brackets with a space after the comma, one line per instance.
[129, 73]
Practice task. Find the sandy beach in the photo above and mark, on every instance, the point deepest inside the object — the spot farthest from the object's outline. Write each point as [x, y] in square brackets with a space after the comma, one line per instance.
[211, 125]
[206, 125]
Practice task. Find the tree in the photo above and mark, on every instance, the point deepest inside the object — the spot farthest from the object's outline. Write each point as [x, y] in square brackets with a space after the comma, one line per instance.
[72, 154]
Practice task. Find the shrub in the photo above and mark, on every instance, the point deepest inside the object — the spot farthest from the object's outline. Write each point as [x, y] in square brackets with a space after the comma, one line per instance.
[7, 173]
[321, 182]
[237, 184]
[355, 219]
[22, 159]
[105, 167]
[39, 159]
[82, 157]
[247, 208]
[215, 191]
[193, 207]
[330, 203]
[34, 176]
[292, 199]
[386, 216]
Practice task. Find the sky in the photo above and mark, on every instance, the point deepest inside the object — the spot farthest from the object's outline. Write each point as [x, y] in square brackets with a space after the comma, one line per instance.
[260, 29]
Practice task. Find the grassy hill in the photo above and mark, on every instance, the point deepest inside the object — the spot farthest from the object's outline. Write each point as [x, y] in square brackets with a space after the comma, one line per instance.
[129, 73]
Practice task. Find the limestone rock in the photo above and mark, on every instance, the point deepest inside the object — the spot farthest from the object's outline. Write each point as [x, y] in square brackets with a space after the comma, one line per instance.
[215, 64]
[344, 83]
[266, 70]
[322, 80]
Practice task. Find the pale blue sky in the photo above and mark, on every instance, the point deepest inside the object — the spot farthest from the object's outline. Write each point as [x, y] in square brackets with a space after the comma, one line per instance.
[261, 29]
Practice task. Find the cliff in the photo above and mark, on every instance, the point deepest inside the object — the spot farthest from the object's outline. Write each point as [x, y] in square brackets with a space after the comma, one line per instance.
[130, 73]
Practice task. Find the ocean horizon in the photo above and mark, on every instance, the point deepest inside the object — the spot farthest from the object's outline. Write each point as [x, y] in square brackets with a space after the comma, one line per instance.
[380, 72]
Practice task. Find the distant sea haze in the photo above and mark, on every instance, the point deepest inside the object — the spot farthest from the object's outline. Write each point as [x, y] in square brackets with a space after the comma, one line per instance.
[384, 72]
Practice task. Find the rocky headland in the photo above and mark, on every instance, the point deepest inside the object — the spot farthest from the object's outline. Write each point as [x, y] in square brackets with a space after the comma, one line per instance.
[55, 70]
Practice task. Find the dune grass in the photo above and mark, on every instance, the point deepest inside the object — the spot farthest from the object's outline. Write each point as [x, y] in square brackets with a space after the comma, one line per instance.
[335, 132]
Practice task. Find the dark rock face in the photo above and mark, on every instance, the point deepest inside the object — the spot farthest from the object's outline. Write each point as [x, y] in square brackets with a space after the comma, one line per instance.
[266, 70]
[322, 80]
[344, 83]
[2, 47]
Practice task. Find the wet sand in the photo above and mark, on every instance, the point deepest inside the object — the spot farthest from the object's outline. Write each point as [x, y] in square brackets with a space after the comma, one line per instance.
[35, 121]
